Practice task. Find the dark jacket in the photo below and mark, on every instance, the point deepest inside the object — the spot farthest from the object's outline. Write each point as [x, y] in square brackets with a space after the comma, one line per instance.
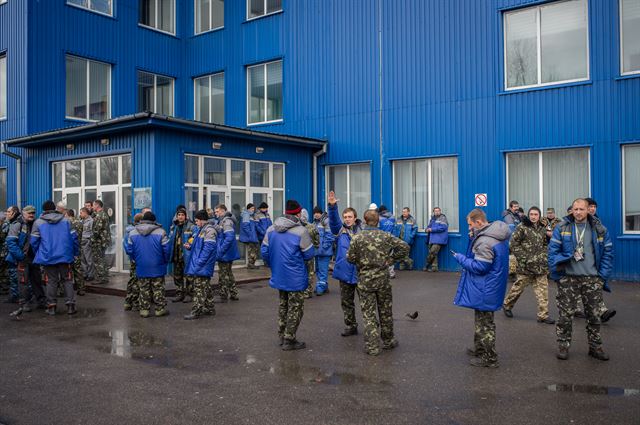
[17, 236]
[343, 270]
[150, 248]
[54, 239]
[180, 234]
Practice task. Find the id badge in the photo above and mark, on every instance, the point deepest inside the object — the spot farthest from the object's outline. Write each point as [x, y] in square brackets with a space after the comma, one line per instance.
[578, 256]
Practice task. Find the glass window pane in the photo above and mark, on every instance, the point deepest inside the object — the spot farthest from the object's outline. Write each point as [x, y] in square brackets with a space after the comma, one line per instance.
[215, 171]
[444, 181]
[630, 16]
[164, 97]
[57, 175]
[274, 91]
[90, 195]
[521, 48]
[278, 175]
[99, 91]
[73, 202]
[127, 218]
[259, 174]
[108, 171]
[83, 3]
[565, 175]
[563, 41]
[165, 15]
[411, 190]
[145, 92]
[338, 184]
[631, 185]
[523, 179]
[90, 178]
[72, 174]
[217, 98]
[57, 196]
[3, 188]
[192, 201]
[191, 169]
[238, 177]
[238, 202]
[203, 11]
[256, 94]
[126, 169]
[3, 86]
[217, 14]
[148, 12]
[277, 209]
[202, 99]
[360, 187]
[76, 87]
[274, 5]
[256, 8]
[102, 6]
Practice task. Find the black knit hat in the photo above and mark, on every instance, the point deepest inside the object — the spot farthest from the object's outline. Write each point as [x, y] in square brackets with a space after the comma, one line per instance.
[263, 206]
[149, 216]
[181, 211]
[317, 210]
[202, 215]
[180, 207]
[293, 207]
[382, 208]
[48, 206]
[250, 205]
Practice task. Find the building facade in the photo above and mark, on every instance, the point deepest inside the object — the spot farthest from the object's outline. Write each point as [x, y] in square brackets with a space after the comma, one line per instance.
[422, 103]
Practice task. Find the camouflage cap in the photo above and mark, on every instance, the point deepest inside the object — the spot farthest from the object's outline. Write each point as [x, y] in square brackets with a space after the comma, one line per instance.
[29, 209]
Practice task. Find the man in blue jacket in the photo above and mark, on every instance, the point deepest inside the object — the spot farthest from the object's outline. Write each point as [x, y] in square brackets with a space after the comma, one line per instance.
[149, 246]
[580, 259]
[343, 270]
[249, 235]
[181, 230]
[387, 224]
[263, 220]
[406, 229]
[285, 248]
[227, 253]
[324, 252]
[437, 237]
[199, 267]
[483, 283]
[56, 245]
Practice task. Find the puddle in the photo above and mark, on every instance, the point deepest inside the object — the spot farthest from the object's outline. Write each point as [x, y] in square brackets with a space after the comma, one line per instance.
[593, 389]
[91, 312]
[137, 346]
[306, 374]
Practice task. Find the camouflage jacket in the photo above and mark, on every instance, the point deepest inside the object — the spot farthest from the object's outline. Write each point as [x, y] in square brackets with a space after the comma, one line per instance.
[101, 230]
[550, 225]
[373, 251]
[529, 245]
[78, 226]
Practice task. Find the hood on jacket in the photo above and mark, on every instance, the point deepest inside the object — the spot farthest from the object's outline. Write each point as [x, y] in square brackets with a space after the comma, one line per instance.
[230, 216]
[498, 230]
[52, 217]
[146, 227]
[386, 214]
[246, 213]
[286, 222]
[304, 216]
[324, 219]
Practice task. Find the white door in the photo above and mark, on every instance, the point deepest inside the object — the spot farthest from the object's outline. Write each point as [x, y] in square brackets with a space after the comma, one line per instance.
[110, 197]
[71, 197]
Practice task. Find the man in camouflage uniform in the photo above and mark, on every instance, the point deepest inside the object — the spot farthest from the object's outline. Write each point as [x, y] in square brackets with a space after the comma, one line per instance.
[132, 299]
[199, 267]
[4, 268]
[78, 275]
[315, 239]
[550, 222]
[86, 254]
[100, 242]
[373, 251]
[13, 224]
[181, 229]
[227, 253]
[529, 245]
[581, 260]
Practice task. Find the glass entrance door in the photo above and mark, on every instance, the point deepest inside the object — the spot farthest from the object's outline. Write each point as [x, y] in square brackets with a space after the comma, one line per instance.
[71, 197]
[215, 197]
[109, 197]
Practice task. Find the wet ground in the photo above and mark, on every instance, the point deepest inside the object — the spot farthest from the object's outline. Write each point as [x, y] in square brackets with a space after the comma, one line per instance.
[106, 366]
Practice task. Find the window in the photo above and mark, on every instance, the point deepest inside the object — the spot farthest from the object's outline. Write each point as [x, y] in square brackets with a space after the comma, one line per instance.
[546, 44]
[155, 93]
[209, 98]
[630, 36]
[3, 189]
[100, 6]
[548, 179]
[264, 92]
[158, 14]
[209, 15]
[630, 182]
[257, 8]
[3, 85]
[352, 185]
[424, 184]
[88, 89]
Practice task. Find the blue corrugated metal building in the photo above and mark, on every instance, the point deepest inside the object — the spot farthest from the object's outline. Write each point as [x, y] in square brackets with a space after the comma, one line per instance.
[421, 103]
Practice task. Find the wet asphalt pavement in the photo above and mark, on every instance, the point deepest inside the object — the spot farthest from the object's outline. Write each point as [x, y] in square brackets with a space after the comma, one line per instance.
[107, 366]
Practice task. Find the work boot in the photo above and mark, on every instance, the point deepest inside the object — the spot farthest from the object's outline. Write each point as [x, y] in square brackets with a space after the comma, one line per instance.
[127, 307]
[373, 352]
[281, 341]
[209, 312]
[433, 270]
[472, 352]
[292, 344]
[51, 310]
[144, 313]
[350, 331]
[508, 312]
[608, 314]
[71, 309]
[192, 316]
[179, 298]
[580, 314]
[26, 308]
[390, 345]
[234, 298]
[563, 353]
[480, 362]
[223, 300]
[401, 266]
[548, 321]
[81, 292]
[162, 312]
[598, 353]
[187, 299]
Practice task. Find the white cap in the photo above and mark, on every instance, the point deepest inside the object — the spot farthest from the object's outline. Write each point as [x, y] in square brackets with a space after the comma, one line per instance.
[373, 206]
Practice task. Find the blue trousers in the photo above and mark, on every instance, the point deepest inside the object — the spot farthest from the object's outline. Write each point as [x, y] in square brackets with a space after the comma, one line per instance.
[14, 290]
[322, 274]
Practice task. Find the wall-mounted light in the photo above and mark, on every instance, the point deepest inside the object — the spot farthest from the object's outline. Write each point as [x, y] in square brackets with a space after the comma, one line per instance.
[216, 145]
[104, 142]
[70, 146]
[259, 149]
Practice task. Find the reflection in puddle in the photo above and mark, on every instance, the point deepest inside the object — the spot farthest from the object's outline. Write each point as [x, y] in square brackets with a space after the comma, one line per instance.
[593, 389]
[294, 371]
[135, 346]
[91, 312]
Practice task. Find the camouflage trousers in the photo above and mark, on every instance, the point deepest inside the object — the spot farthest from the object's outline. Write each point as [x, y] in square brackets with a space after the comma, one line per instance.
[290, 312]
[253, 251]
[311, 270]
[182, 282]
[374, 304]
[100, 263]
[570, 289]
[202, 295]
[133, 291]
[540, 289]
[78, 274]
[432, 257]
[152, 290]
[484, 337]
[348, 304]
[226, 280]
[60, 274]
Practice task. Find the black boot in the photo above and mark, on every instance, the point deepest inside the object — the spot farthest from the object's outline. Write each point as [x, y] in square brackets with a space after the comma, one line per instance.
[293, 344]
[178, 299]
[71, 309]
[350, 331]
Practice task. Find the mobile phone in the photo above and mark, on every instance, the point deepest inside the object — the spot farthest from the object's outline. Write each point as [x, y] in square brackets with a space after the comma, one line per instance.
[452, 252]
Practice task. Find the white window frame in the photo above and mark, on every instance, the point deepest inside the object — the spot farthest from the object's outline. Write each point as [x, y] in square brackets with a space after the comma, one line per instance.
[540, 172]
[88, 7]
[539, 50]
[620, 16]
[624, 197]
[326, 179]
[195, 20]
[88, 76]
[175, 12]
[264, 10]
[266, 78]
[3, 90]
[155, 91]
[210, 77]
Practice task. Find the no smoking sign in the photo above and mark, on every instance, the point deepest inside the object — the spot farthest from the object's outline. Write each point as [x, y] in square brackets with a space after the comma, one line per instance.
[481, 199]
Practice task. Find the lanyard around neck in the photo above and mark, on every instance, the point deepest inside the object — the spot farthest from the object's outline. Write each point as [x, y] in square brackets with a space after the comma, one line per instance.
[580, 236]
